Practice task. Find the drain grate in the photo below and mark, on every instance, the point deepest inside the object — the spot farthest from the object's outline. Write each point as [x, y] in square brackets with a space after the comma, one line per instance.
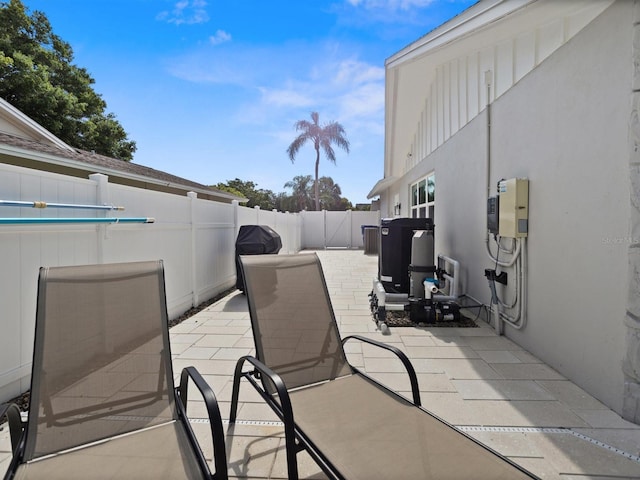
[469, 429]
[565, 431]
[464, 428]
[255, 423]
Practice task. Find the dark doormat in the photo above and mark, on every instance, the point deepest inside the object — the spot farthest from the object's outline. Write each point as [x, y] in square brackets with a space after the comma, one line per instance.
[401, 319]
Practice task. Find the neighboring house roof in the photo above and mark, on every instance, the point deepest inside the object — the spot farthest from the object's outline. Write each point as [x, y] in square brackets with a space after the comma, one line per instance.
[14, 122]
[25, 143]
[79, 163]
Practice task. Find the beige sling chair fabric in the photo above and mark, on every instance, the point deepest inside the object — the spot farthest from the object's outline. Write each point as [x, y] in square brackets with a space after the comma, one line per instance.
[352, 426]
[297, 338]
[103, 403]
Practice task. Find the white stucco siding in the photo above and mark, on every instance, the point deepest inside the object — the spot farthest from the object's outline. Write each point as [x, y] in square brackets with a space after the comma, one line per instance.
[434, 87]
[564, 126]
[460, 209]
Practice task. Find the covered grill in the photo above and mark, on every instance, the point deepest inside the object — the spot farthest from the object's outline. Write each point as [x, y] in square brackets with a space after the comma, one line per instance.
[255, 240]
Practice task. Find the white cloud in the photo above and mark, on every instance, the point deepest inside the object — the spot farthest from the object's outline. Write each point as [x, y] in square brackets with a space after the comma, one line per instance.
[219, 37]
[289, 85]
[391, 4]
[285, 97]
[186, 12]
[234, 65]
[365, 101]
[354, 72]
[393, 19]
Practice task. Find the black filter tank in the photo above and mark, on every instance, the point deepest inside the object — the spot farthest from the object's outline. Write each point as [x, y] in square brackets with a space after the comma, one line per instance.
[395, 251]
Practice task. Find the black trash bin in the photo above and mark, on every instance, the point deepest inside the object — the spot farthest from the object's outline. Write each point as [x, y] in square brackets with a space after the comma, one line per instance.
[255, 240]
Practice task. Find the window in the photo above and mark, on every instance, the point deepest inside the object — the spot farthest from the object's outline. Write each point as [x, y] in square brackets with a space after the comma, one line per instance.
[423, 197]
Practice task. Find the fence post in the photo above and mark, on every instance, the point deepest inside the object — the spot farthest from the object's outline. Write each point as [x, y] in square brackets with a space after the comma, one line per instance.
[290, 231]
[102, 198]
[301, 222]
[236, 227]
[195, 300]
[350, 228]
[324, 221]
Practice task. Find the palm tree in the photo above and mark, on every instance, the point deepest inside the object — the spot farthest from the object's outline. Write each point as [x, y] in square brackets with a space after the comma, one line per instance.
[301, 190]
[322, 137]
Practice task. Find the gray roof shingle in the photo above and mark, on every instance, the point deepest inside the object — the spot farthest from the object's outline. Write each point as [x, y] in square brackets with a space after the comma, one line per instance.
[96, 163]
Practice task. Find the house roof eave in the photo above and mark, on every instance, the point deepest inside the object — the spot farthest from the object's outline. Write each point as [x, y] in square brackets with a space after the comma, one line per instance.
[381, 185]
[23, 122]
[477, 16]
[62, 161]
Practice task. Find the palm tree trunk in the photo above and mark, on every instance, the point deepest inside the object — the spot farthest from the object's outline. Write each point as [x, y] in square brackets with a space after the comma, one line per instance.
[316, 186]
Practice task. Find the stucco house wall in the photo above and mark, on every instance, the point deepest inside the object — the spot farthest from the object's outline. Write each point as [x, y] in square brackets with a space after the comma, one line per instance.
[564, 126]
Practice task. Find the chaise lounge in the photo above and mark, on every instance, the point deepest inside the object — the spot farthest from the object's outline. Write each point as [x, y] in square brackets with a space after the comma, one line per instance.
[351, 425]
[102, 401]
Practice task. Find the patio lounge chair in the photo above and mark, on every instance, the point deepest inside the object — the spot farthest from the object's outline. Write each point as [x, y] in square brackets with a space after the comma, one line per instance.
[102, 400]
[351, 425]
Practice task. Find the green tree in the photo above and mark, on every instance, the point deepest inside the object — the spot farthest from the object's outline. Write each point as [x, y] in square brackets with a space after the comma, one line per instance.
[285, 203]
[322, 137]
[301, 188]
[330, 193]
[37, 76]
[226, 188]
[344, 204]
[264, 199]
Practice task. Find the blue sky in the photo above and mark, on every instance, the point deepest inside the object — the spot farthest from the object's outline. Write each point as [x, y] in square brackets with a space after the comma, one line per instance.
[210, 89]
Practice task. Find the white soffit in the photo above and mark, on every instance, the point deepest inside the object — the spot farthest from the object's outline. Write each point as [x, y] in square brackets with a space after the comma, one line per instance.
[381, 185]
[477, 16]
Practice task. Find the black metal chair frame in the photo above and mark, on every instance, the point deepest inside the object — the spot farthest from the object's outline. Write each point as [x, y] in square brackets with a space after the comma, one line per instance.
[295, 439]
[18, 429]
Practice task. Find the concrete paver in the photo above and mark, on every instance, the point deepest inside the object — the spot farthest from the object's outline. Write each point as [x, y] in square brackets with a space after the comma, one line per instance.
[484, 384]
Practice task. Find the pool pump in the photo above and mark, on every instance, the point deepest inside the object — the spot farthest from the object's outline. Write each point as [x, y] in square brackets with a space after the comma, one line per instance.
[408, 279]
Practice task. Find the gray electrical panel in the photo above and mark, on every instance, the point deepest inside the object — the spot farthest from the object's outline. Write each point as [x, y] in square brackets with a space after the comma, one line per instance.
[493, 214]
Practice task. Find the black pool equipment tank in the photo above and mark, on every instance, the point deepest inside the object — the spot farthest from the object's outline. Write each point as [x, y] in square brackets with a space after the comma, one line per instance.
[395, 251]
[409, 279]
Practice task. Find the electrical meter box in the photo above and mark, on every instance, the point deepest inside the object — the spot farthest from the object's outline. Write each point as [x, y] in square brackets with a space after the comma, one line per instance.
[514, 207]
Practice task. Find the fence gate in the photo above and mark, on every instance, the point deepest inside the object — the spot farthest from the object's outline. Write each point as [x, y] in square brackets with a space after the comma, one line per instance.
[337, 227]
[327, 229]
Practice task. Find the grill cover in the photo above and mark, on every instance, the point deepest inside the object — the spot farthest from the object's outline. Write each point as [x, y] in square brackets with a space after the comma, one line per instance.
[255, 240]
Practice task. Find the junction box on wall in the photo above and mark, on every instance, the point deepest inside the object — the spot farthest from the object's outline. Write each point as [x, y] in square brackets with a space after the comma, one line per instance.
[508, 218]
[513, 208]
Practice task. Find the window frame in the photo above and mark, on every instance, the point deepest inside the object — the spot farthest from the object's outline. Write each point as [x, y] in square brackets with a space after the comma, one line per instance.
[422, 196]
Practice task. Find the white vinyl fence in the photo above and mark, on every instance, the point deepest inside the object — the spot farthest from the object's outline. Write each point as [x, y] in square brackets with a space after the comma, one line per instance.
[336, 229]
[195, 238]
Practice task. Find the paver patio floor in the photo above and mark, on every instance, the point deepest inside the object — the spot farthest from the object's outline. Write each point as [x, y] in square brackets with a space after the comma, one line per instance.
[482, 383]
